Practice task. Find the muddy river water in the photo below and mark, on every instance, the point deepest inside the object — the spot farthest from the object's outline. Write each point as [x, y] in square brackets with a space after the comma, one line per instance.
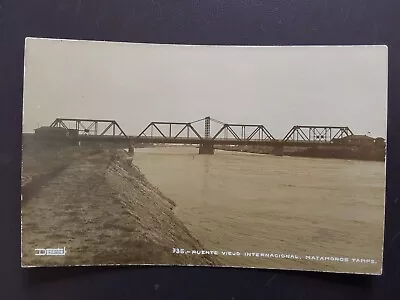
[307, 207]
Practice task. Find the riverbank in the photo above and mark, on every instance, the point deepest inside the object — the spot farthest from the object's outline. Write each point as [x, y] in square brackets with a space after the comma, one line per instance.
[101, 208]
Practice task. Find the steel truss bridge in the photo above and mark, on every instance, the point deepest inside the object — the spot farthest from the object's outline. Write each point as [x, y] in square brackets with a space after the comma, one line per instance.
[106, 131]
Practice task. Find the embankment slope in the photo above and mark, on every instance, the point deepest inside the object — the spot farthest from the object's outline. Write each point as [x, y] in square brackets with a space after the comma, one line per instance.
[102, 209]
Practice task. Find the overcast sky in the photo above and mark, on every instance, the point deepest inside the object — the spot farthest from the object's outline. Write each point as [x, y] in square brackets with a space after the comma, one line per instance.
[138, 83]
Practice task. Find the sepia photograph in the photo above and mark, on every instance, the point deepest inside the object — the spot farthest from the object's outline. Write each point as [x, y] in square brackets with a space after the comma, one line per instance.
[267, 157]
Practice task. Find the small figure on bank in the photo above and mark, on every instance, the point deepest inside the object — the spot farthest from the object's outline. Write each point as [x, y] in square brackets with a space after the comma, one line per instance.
[131, 149]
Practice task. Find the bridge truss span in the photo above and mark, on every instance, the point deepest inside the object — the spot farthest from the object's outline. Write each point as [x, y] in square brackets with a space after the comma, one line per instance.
[94, 127]
[210, 130]
[316, 134]
[157, 129]
[244, 132]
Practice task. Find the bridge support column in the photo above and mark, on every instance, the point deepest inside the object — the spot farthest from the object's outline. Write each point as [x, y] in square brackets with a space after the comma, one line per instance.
[206, 149]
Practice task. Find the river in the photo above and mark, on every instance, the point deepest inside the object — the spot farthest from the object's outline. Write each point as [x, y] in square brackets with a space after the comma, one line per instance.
[262, 203]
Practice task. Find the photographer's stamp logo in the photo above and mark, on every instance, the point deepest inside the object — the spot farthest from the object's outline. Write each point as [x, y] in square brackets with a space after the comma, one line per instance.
[50, 251]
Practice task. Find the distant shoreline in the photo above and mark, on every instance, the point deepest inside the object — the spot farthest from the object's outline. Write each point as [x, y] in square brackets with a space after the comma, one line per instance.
[318, 153]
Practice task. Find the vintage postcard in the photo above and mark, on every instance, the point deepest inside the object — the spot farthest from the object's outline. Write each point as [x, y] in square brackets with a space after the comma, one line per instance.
[185, 155]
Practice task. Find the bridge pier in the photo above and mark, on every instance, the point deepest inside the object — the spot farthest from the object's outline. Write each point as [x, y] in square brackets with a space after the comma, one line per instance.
[206, 149]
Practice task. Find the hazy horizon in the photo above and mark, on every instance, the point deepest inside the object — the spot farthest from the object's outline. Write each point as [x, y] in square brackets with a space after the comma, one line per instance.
[138, 83]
